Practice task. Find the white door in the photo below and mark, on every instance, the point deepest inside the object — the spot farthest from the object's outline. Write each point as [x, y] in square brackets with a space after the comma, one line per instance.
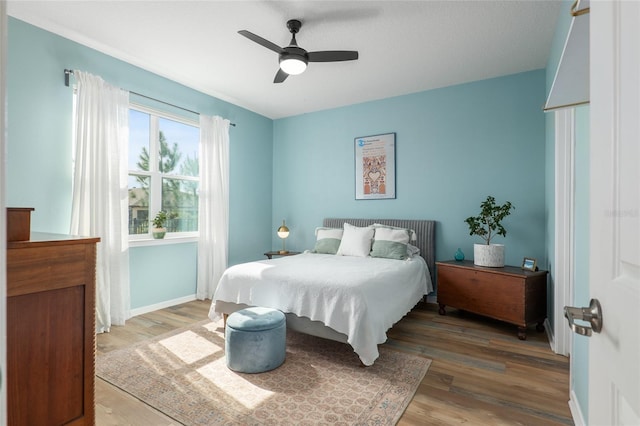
[614, 269]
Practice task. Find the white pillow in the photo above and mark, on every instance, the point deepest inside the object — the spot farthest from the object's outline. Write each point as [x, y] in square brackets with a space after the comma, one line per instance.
[324, 232]
[412, 233]
[356, 241]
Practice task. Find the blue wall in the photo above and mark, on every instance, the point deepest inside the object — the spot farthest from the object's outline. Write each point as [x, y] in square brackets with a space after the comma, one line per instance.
[454, 146]
[39, 170]
[581, 297]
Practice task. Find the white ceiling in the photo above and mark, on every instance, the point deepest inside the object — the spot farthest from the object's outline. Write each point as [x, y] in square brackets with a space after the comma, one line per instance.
[404, 46]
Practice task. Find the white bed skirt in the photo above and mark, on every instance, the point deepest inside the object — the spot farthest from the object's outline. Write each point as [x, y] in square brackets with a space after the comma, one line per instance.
[294, 322]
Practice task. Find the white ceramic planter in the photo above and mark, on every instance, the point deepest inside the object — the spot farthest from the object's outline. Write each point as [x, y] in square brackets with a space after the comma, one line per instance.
[158, 233]
[491, 255]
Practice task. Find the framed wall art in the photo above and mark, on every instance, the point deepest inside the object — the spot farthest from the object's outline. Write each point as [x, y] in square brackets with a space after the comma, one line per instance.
[375, 166]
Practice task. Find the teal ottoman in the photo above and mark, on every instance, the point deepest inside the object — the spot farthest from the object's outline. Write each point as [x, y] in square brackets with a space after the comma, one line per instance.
[255, 340]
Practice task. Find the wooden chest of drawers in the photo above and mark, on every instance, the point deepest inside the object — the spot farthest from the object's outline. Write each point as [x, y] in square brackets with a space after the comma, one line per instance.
[508, 294]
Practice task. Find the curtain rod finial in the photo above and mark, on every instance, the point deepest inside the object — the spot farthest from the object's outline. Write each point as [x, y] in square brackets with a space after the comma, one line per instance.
[66, 76]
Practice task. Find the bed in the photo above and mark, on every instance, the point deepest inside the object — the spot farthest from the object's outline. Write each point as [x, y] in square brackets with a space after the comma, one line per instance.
[350, 299]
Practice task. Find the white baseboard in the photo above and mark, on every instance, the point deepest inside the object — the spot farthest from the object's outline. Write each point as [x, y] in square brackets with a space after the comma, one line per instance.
[549, 331]
[162, 305]
[576, 412]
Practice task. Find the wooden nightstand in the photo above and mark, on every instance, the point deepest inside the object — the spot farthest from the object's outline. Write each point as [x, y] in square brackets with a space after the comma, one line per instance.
[270, 254]
[509, 294]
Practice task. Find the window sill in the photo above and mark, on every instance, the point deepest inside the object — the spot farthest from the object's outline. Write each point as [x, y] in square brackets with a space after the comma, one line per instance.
[146, 242]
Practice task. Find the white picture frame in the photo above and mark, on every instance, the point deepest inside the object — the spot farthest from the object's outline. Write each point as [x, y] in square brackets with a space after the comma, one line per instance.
[375, 167]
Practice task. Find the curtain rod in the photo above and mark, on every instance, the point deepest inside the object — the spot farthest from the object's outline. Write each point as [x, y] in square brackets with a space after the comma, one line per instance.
[68, 72]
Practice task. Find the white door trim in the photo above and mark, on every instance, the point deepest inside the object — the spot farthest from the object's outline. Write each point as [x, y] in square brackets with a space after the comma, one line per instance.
[563, 268]
[3, 237]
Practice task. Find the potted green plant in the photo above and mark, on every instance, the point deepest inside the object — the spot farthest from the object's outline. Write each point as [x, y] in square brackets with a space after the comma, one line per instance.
[487, 225]
[159, 223]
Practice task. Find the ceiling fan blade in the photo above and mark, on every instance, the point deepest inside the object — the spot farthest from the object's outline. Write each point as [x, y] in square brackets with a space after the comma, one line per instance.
[261, 41]
[333, 56]
[280, 76]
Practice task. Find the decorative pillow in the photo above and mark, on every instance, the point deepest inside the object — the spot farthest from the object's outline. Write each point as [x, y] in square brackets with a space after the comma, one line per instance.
[356, 241]
[390, 243]
[412, 233]
[327, 240]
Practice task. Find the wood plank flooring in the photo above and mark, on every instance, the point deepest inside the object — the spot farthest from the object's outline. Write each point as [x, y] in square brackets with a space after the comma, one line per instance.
[481, 373]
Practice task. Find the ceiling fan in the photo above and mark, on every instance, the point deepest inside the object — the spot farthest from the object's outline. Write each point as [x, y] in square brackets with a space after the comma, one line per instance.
[294, 59]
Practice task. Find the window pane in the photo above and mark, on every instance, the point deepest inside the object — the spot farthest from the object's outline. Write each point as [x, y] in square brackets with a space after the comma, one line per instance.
[139, 123]
[180, 201]
[138, 204]
[179, 144]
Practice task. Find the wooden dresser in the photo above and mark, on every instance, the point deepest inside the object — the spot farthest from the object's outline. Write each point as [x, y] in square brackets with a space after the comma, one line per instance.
[51, 330]
[508, 294]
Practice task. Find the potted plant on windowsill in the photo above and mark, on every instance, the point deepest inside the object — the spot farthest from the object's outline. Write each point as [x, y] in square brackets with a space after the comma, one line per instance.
[487, 225]
[158, 231]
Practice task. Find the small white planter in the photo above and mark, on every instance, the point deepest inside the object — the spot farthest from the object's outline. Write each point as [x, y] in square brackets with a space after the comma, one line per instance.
[158, 233]
[491, 255]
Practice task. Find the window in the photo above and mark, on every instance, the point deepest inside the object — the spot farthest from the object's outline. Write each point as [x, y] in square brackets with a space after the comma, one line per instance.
[163, 172]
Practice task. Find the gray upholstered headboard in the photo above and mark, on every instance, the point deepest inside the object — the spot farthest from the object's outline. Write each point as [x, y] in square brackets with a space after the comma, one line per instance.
[425, 234]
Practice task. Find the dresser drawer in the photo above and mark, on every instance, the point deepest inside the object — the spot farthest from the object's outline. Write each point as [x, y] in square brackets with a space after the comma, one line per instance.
[31, 270]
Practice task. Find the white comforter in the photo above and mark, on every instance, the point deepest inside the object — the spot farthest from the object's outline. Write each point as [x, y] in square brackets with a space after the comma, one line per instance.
[356, 296]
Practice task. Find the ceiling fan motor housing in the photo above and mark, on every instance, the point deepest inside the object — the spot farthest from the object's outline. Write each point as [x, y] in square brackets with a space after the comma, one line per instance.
[294, 53]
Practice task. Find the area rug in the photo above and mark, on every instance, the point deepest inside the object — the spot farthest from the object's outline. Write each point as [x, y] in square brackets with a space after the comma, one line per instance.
[183, 374]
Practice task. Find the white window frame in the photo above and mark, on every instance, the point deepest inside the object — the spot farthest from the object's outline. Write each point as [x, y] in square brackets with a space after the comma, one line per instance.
[137, 240]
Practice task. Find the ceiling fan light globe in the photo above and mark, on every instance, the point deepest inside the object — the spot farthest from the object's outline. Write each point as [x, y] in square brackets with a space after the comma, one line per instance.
[293, 66]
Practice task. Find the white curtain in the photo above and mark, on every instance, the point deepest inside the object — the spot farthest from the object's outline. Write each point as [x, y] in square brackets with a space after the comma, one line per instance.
[100, 191]
[213, 213]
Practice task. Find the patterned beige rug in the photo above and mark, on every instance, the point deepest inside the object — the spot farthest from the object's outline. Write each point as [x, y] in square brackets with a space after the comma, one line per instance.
[183, 374]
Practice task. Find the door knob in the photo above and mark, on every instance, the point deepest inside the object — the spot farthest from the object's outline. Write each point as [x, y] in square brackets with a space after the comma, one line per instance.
[591, 314]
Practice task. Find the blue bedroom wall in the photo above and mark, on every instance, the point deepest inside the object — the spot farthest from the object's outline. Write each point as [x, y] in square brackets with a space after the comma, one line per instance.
[581, 297]
[454, 147]
[39, 169]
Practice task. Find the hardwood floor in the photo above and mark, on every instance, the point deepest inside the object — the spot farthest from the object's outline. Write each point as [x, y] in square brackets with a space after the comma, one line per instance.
[481, 373]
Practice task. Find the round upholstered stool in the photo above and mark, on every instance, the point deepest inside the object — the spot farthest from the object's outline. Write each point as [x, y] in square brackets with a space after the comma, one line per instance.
[255, 340]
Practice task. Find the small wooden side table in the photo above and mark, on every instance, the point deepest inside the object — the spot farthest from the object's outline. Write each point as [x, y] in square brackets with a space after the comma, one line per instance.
[270, 254]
